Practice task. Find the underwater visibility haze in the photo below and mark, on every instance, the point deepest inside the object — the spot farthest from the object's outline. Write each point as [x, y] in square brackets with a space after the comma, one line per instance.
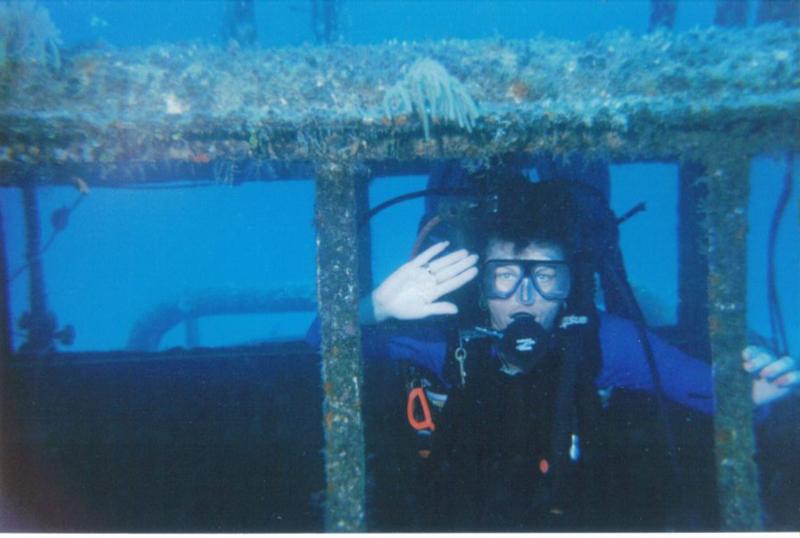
[184, 191]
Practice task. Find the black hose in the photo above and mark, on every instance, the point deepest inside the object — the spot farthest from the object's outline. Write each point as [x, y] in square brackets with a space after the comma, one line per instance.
[638, 320]
[638, 208]
[463, 192]
[56, 230]
[779, 342]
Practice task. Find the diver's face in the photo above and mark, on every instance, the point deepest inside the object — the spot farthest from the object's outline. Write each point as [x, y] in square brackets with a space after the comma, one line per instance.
[526, 299]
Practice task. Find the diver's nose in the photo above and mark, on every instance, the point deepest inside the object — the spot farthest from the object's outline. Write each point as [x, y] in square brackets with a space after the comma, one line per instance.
[526, 294]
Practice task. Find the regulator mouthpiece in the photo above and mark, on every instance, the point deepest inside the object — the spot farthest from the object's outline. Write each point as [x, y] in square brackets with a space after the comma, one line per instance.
[525, 344]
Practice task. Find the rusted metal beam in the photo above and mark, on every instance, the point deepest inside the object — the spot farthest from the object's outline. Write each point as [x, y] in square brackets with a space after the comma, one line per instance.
[737, 479]
[365, 231]
[39, 322]
[787, 11]
[662, 13]
[337, 292]
[617, 97]
[730, 13]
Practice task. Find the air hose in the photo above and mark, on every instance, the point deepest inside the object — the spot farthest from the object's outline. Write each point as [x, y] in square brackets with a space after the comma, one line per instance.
[59, 220]
[410, 196]
[779, 342]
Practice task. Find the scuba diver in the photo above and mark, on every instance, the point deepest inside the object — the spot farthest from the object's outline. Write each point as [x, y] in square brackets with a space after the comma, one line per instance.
[517, 361]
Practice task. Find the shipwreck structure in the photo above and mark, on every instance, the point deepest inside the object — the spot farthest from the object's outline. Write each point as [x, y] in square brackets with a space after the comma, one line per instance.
[715, 98]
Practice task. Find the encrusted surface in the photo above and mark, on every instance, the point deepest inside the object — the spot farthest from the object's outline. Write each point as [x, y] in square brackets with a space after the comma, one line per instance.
[130, 113]
[728, 189]
[337, 288]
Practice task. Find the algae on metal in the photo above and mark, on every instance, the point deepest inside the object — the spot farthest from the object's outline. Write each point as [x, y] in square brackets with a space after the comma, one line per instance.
[734, 444]
[342, 374]
[109, 113]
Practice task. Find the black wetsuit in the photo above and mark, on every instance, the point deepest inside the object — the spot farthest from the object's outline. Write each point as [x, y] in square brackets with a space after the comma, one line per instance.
[492, 467]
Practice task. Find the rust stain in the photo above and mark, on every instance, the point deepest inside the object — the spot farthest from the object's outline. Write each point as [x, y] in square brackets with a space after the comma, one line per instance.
[200, 158]
[725, 436]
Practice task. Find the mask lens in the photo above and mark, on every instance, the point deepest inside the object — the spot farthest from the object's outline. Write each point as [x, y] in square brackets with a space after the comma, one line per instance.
[551, 280]
[503, 277]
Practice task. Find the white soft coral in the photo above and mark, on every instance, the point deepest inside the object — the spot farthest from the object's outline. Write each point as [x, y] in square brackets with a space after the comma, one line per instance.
[433, 93]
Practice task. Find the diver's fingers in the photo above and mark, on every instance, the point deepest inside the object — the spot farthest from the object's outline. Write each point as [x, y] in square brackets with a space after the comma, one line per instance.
[442, 263]
[428, 254]
[788, 380]
[778, 367]
[456, 268]
[750, 352]
[755, 358]
[441, 309]
[456, 282]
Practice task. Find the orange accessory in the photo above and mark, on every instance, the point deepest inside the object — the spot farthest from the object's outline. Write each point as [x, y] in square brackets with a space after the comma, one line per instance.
[544, 466]
[427, 421]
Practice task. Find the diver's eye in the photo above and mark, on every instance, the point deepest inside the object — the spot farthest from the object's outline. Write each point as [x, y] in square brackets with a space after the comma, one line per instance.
[510, 272]
[506, 278]
[506, 275]
[545, 274]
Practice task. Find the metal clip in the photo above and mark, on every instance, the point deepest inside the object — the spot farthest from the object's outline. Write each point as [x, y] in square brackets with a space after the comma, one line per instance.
[461, 356]
[574, 448]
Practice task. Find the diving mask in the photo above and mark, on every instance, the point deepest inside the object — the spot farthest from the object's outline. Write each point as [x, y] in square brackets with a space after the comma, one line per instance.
[502, 278]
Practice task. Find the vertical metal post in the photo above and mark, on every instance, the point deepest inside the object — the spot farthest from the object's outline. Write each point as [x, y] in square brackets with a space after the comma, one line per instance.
[337, 290]
[731, 13]
[364, 234]
[662, 13]
[324, 20]
[40, 323]
[787, 11]
[737, 479]
[239, 23]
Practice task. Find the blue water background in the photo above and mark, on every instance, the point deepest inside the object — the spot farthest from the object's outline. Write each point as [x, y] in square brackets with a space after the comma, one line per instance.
[125, 251]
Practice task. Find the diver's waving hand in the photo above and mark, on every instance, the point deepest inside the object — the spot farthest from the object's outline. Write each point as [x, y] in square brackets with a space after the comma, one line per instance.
[413, 290]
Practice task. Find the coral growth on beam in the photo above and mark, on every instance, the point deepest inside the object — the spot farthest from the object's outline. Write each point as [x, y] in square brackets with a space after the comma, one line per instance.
[433, 93]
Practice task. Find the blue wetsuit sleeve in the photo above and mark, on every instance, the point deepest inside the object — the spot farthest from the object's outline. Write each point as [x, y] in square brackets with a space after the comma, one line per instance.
[423, 346]
[685, 380]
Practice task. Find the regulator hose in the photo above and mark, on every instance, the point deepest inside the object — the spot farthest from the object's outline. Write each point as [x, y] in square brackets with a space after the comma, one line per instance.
[779, 342]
